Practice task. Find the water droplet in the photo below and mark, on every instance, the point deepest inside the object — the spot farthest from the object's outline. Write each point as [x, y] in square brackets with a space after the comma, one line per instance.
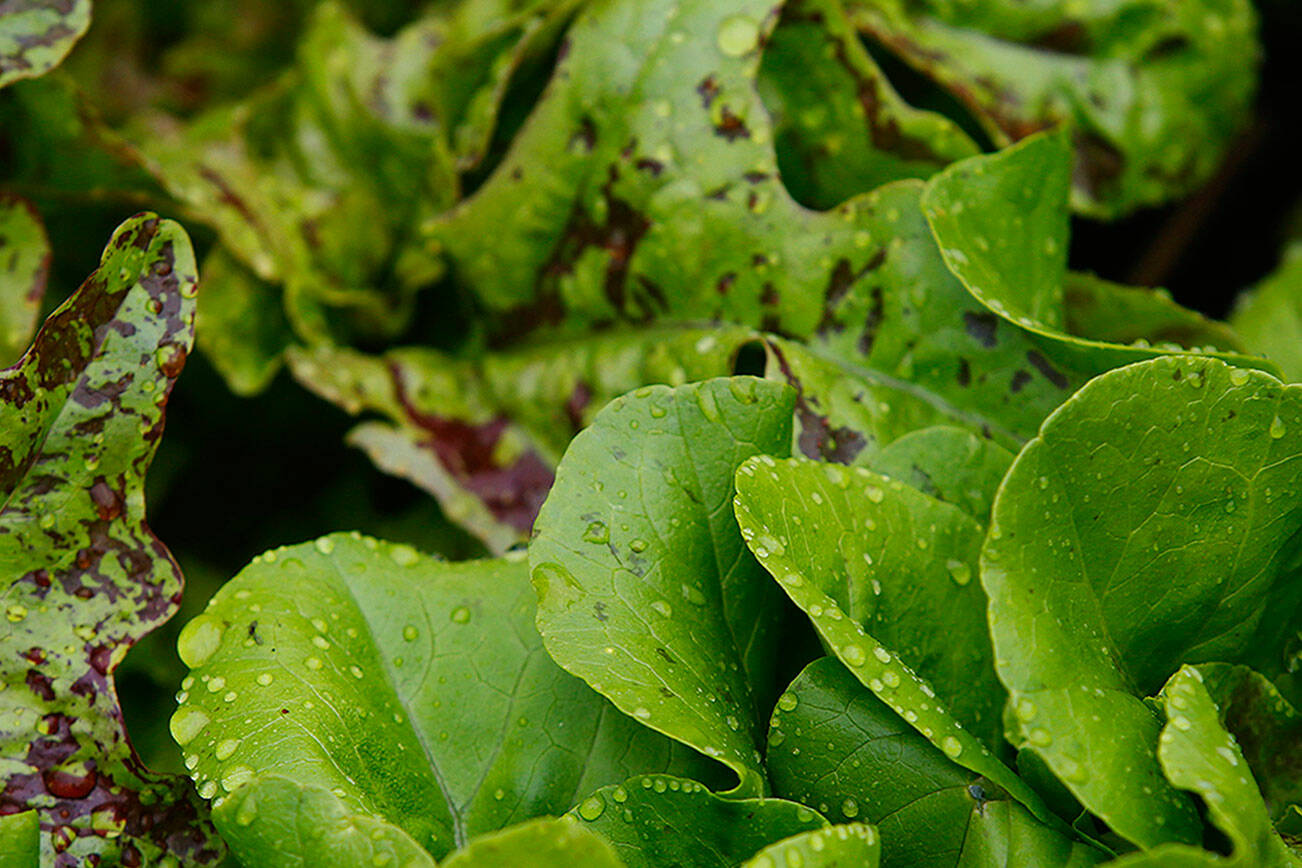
[1025, 710]
[1040, 737]
[226, 748]
[882, 654]
[199, 640]
[313, 663]
[787, 702]
[1181, 723]
[597, 532]
[356, 671]
[265, 679]
[592, 808]
[1238, 376]
[663, 608]
[637, 545]
[951, 746]
[321, 642]
[461, 615]
[1277, 428]
[854, 655]
[404, 555]
[325, 545]
[208, 789]
[216, 684]
[642, 713]
[410, 633]
[236, 777]
[960, 572]
[16, 613]
[693, 595]
[187, 723]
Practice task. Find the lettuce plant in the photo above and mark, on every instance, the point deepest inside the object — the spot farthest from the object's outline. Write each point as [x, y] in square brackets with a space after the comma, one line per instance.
[821, 514]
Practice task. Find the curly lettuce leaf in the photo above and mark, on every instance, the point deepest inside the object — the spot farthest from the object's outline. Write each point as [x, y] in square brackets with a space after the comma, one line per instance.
[645, 588]
[391, 701]
[80, 418]
[839, 127]
[1152, 91]
[1153, 522]
[36, 35]
[483, 434]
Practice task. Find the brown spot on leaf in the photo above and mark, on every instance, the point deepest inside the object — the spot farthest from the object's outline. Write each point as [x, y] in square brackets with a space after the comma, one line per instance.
[981, 327]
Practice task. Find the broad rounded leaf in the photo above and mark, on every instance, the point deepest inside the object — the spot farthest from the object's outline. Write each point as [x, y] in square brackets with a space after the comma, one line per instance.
[402, 696]
[645, 588]
[1270, 316]
[831, 603]
[658, 821]
[80, 418]
[1149, 524]
[949, 464]
[35, 35]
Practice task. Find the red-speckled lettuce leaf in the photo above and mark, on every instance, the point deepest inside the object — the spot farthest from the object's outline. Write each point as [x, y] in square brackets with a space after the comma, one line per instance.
[80, 417]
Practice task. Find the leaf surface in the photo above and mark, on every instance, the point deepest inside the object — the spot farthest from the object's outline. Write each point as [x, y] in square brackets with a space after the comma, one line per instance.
[80, 418]
[659, 821]
[1154, 521]
[646, 590]
[852, 845]
[1153, 91]
[1269, 317]
[25, 258]
[545, 843]
[833, 600]
[834, 745]
[36, 35]
[383, 696]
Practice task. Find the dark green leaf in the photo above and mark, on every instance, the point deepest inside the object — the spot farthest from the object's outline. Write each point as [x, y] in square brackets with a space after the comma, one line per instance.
[24, 267]
[949, 464]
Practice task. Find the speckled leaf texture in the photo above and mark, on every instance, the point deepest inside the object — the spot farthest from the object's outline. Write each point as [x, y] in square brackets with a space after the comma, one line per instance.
[80, 418]
[1154, 90]
[35, 35]
[354, 700]
[1154, 521]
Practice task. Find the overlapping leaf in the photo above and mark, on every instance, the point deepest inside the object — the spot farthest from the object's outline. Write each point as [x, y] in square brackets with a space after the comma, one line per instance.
[484, 435]
[834, 745]
[645, 588]
[85, 578]
[390, 704]
[1154, 91]
[659, 821]
[1270, 316]
[1153, 521]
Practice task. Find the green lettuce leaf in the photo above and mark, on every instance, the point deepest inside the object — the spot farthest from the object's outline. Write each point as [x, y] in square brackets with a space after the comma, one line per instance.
[24, 267]
[894, 561]
[834, 745]
[645, 588]
[20, 839]
[839, 127]
[835, 601]
[392, 703]
[544, 843]
[1153, 91]
[851, 844]
[660, 821]
[241, 324]
[1002, 223]
[80, 418]
[1153, 521]
[1100, 310]
[948, 464]
[1269, 317]
[483, 434]
[36, 35]
[1198, 755]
